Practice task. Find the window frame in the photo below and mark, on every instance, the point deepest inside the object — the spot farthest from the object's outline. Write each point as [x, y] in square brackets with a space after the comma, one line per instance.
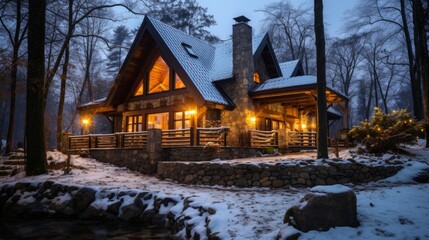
[135, 123]
[183, 119]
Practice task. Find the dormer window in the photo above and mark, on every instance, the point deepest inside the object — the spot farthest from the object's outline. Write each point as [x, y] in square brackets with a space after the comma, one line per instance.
[256, 78]
[188, 49]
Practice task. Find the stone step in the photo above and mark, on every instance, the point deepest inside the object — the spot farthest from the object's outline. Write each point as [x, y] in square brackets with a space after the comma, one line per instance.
[5, 173]
[17, 156]
[14, 162]
[6, 167]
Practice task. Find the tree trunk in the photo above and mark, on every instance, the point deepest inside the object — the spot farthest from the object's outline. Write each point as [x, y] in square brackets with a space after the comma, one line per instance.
[13, 78]
[422, 49]
[322, 119]
[62, 97]
[36, 154]
[63, 83]
[415, 82]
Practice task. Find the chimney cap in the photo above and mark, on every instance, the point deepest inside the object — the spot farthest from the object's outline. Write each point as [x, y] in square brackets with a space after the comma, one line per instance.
[241, 19]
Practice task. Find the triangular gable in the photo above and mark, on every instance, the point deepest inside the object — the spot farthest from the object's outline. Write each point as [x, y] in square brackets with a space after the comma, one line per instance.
[192, 70]
[261, 47]
[290, 68]
[265, 51]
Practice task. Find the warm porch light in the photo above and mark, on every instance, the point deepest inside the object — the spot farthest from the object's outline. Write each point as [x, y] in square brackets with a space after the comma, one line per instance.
[304, 126]
[85, 121]
[252, 120]
[191, 112]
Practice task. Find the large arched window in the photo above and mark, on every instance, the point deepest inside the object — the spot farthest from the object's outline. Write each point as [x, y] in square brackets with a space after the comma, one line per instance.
[159, 77]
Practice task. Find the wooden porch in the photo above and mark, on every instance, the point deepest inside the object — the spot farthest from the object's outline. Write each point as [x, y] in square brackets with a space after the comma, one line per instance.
[191, 137]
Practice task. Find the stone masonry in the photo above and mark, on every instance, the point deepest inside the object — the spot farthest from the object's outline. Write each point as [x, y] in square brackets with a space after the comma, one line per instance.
[238, 88]
[280, 175]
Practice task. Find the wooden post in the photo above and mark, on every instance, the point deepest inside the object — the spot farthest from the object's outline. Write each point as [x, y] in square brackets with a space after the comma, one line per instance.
[154, 147]
[225, 137]
[192, 135]
[346, 107]
[198, 137]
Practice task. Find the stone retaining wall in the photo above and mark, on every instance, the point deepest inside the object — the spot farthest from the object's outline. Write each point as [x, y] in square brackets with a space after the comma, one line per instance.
[133, 159]
[207, 154]
[280, 175]
[139, 159]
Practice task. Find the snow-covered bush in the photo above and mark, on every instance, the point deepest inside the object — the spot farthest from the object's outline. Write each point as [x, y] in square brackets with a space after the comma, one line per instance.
[386, 131]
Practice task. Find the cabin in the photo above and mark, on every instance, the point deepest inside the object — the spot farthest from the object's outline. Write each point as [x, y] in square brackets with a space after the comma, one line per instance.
[235, 93]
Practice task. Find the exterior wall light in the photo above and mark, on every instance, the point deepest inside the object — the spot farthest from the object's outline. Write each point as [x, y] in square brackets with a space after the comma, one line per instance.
[85, 121]
[253, 120]
[191, 112]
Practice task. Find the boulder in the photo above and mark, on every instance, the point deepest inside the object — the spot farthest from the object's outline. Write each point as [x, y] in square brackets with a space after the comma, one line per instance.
[422, 177]
[324, 207]
[83, 198]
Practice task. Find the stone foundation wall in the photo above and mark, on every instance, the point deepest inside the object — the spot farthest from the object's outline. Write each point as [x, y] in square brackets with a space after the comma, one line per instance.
[276, 176]
[202, 154]
[140, 159]
[133, 159]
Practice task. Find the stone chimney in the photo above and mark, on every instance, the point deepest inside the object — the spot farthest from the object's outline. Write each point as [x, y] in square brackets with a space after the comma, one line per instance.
[239, 119]
[242, 56]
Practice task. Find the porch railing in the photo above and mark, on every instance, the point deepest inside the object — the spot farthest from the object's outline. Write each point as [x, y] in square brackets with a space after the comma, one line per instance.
[131, 140]
[215, 135]
[180, 137]
[302, 139]
[262, 139]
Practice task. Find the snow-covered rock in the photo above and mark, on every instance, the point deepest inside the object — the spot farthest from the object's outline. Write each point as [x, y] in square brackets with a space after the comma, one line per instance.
[324, 207]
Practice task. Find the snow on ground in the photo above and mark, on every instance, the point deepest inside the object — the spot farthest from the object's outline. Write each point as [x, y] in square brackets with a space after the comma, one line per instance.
[395, 208]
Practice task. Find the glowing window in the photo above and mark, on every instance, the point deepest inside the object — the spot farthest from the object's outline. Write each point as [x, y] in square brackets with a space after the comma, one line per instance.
[182, 120]
[157, 120]
[159, 77]
[135, 123]
[256, 78]
[139, 90]
[178, 83]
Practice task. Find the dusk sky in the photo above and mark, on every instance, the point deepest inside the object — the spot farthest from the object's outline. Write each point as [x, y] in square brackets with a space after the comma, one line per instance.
[225, 10]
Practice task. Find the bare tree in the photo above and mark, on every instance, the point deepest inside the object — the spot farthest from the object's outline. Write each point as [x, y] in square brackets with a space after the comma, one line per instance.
[81, 11]
[36, 153]
[291, 30]
[393, 18]
[63, 81]
[343, 58]
[322, 119]
[13, 20]
[420, 20]
[88, 57]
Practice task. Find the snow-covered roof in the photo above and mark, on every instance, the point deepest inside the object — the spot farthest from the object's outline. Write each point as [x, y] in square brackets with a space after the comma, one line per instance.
[202, 64]
[97, 101]
[285, 82]
[195, 67]
[334, 111]
[288, 68]
[213, 62]
[222, 68]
